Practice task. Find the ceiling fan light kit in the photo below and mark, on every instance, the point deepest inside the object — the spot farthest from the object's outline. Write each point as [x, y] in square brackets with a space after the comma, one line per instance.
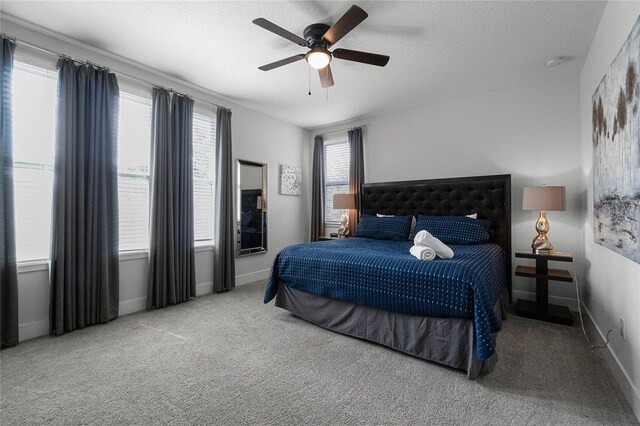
[318, 57]
[318, 38]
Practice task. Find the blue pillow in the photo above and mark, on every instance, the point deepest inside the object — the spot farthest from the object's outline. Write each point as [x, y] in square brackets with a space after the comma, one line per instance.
[384, 228]
[455, 229]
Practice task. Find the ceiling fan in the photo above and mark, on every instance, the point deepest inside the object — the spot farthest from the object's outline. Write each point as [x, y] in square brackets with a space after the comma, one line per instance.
[318, 38]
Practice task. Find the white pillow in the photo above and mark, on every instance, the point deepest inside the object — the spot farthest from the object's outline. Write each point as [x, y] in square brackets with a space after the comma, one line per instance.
[472, 216]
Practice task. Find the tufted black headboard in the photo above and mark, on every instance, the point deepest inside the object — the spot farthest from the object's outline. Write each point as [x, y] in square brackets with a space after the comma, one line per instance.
[489, 196]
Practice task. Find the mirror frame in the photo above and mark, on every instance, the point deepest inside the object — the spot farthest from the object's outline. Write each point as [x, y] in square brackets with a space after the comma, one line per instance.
[263, 248]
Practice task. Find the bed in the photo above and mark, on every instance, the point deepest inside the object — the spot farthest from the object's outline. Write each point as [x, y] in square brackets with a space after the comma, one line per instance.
[444, 311]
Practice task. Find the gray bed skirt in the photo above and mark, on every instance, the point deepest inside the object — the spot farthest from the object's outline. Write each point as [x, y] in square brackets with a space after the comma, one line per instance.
[448, 341]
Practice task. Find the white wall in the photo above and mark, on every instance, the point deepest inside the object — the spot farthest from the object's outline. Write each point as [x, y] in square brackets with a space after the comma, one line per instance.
[531, 132]
[256, 137]
[612, 285]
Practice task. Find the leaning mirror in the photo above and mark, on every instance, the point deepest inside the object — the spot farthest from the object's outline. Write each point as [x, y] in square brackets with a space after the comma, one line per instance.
[252, 207]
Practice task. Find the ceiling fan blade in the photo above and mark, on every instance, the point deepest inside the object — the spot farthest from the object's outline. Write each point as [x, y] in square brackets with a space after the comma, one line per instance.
[364, 57]
[270, 26]
[346, 23]
[326, 77]
[281, 62]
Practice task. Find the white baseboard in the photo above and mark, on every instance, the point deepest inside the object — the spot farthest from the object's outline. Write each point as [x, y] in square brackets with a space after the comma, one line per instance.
[619, 373]
[34, 329]
[204, 288]
[570, 303]
[140, 304]
[252, 277]
[134, 305]
[31, 330]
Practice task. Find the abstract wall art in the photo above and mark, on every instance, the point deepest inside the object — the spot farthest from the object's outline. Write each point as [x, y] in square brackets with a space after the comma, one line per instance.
[616, 152]
[290, 180]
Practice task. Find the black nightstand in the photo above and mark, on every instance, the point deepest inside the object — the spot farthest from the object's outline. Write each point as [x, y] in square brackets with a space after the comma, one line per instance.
[541, 309]
[323, 238]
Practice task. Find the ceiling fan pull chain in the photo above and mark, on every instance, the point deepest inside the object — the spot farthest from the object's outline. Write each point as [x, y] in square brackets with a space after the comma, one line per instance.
[309, 81]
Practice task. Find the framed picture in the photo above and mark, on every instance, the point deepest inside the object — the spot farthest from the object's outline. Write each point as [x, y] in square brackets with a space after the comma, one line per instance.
[290, 180]
[616, 152]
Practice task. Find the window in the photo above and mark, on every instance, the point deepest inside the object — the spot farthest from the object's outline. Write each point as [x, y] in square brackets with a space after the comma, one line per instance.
[34, 106]
[336, 177]
[134, 141]
[204, 136]
[34, 101]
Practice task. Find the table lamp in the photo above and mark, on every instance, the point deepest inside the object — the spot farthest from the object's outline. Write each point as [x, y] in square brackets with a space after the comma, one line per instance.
[543, 199]
[346, 202]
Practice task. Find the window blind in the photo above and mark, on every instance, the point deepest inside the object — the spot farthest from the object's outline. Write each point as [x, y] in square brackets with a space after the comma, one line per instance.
[34, 101]
[134, 151]
[34, 104]
[204, 137]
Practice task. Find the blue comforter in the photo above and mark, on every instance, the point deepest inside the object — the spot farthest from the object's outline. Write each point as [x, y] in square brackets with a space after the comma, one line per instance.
[383, 275]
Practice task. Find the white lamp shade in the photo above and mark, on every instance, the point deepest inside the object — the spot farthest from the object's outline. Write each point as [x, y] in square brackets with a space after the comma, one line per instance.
[344, 201]
[544, 198]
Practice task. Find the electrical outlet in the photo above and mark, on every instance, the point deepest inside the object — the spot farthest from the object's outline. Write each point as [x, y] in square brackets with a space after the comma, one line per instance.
[623, 328]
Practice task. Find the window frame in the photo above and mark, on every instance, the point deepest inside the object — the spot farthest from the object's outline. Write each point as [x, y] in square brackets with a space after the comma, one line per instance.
[208, 111]
[339, 141]
[26, 60]
[135, 91]
[34, 58]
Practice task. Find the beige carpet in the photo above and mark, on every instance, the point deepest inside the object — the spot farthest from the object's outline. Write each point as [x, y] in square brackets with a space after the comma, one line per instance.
[229, 359]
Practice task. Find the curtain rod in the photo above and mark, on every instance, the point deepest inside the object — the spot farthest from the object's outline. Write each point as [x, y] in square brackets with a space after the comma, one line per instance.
[62, 55]
[340, 130]
[13, 39]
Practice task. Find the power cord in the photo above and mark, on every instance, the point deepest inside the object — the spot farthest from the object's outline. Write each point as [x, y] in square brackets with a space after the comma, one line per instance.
[606, 343]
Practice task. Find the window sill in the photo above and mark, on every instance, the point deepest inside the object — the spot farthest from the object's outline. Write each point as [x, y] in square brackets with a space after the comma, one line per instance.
[204, 247]
[43, 265]
[33, 266]
[143, 254]
[134, 254]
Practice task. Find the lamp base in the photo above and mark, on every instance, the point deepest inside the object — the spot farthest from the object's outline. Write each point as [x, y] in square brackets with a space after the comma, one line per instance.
[542, 251]
[541, 244]
[343, 231]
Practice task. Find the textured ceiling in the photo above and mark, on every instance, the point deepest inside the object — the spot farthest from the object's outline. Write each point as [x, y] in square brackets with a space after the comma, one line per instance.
[439, 50]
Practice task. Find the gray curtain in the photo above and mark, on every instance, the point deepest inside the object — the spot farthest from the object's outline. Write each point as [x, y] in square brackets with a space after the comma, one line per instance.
[356, 174]
[8, 266]
[317, 189]
[224, 269]
[171, 277]
[84, 242]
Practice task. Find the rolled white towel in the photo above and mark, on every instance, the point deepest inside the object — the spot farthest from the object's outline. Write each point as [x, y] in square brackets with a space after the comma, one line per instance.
[421, 238]
[423, 252]
[424, 238]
